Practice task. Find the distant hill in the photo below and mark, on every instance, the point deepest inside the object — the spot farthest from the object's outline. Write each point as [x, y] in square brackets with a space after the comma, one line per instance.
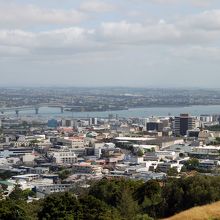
[207, 212]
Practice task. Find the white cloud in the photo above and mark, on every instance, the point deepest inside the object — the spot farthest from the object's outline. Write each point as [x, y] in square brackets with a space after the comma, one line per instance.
[17, 38]
[96, 6]
[66, 37]
[124, 32]
[155, 33]
[208, 20]
[189, 30]
[12, 15]
[201, 28]
[9, 51]
[190, 53]
[196, 3]
[54, 41]
[57, 42]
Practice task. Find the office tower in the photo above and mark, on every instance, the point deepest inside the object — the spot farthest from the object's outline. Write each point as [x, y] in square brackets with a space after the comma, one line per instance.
[183, 123]
[155, 126]
[93, 121]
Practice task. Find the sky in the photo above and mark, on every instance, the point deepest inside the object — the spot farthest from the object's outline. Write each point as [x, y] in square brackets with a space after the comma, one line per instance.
[129, 43]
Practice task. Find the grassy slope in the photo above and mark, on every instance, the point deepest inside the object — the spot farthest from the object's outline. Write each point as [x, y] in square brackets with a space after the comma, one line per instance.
[208, 212]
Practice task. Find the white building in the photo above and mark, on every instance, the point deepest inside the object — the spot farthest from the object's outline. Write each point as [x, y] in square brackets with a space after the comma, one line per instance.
[180, 148]
[98, 152]
[164, 167]
[73, 142]
[148, 176]
[206, 118]
[26, 177]
[87, 168]
[93, 121]
[44, 190]
[207, 150]
[158, 155]
[64, 157]
[28, 158]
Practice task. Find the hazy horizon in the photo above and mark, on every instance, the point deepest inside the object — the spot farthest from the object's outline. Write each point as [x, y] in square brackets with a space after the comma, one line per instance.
[106, 87]
[98, 43]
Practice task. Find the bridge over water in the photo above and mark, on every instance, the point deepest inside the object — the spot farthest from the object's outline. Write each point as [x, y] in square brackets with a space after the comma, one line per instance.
[36, 108]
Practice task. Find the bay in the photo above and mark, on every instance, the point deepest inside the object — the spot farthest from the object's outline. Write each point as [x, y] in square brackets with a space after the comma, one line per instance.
[195, 110]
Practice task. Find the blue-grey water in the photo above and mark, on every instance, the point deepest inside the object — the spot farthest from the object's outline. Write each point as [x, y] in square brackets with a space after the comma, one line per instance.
[47, 112]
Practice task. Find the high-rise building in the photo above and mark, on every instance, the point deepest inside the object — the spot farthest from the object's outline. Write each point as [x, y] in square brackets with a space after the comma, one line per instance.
[206, 118]
[52, 123]
[155, 126]
[67, 123]
[183, 123]
[93, 121]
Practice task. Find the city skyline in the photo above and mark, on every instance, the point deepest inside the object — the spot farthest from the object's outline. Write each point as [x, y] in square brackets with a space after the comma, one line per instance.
[133, 43]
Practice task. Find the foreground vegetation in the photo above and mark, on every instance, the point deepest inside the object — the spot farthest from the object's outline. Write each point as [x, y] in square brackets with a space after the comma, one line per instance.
[117, 200]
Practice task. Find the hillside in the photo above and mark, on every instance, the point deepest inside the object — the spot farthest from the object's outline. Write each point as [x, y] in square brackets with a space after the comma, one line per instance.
[207, 212]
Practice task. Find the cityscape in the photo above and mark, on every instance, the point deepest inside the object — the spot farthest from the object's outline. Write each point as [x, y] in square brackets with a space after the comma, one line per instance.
[89, 100]
[109, 110]
[47, 154]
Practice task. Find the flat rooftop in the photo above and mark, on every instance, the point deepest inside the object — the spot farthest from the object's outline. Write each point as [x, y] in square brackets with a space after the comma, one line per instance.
[133, 139]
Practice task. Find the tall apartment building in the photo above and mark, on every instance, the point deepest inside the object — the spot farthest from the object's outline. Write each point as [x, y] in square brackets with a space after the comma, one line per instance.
[183, 123]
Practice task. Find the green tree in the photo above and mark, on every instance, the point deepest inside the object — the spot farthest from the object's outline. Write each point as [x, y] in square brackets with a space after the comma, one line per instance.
[140, 153]
[149, 197]
[192, 164]
[10, 210]
[127, 207]
[19, 194]
[64, 174]
[184, 193]
[94, 209]
[60, 206]
[173, 197]
[172, 172]
[183, 169]
[116, 200]
[32, 209]
[109, 191]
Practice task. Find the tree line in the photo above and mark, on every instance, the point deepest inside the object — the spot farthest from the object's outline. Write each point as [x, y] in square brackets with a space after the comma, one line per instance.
[116, 199]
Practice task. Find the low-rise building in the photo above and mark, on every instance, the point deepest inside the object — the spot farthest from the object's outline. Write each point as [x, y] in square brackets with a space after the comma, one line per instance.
[208, 164]
[87, 168]
[72, 142]
[45, 190]
[64, 157]
[158, 155]
[165, 167]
